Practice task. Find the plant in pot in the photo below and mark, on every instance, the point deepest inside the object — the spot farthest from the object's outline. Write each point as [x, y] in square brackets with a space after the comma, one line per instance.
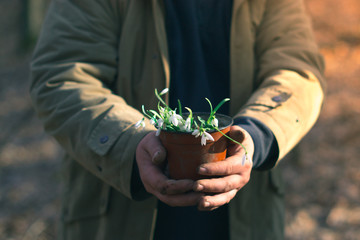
[190, 139]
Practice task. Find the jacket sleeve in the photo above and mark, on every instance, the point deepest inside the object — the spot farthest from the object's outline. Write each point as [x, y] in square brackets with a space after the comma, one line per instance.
[73, 67]
[290, 88]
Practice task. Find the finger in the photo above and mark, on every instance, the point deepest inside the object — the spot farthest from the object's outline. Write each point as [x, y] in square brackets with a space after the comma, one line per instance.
[172, 187]
[181, 200]
[232, 165]
[208, 203]
[221, 185]
[156, 181]
[171, 192]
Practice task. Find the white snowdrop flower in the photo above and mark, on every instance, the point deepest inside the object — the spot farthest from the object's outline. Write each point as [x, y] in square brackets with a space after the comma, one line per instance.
[215, 122]
[160, 123]
[206, 136]
[158, 132]
[188, 125]
[196, 133]
[245, 158]
[203, 140]
[185, 126]
[140, 123]
[165, 90]
[174, 119]
[161, 110]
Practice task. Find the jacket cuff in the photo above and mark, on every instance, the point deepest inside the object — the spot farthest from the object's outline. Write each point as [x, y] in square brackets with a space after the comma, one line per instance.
[115, 143]
[138, 191]
[266, 150]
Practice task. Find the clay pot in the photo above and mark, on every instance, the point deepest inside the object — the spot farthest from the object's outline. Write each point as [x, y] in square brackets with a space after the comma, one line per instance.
[185, 152]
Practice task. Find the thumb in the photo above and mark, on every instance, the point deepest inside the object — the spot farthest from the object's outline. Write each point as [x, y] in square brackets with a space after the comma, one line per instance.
[154, 148]
[237, 133]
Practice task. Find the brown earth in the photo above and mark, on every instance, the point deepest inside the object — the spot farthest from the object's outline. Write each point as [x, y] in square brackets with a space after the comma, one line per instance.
[323, 187]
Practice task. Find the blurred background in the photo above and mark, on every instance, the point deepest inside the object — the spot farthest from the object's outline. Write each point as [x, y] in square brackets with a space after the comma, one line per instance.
[322, 178]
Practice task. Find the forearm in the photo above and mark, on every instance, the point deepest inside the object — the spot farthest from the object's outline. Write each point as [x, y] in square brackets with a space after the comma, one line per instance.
[289, 78]
[72, 70]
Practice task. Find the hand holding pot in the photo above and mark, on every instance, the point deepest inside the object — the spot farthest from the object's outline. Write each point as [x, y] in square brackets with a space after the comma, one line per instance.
[234, 172]
[150, 157]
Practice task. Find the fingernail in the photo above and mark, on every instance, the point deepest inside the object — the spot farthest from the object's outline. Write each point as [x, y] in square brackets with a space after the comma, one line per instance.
[170, 184]
[202, 170]
[155, 155]
[156, 158]
[199, 187]
[206, 204]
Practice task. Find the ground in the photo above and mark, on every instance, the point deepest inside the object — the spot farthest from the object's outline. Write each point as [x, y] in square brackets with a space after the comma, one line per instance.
[322, 184]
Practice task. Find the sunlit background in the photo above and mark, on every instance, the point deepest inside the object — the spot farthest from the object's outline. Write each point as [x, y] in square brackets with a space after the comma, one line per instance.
[322, 177]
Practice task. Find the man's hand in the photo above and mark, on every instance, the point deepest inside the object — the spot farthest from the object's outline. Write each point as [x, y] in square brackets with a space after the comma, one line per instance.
[150, 158]
[234, 172]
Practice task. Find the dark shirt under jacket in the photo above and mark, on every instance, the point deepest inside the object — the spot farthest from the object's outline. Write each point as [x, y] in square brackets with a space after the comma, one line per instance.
[198, 33]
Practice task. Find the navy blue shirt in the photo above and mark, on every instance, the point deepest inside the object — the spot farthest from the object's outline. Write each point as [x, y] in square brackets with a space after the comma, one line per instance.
[198, 37]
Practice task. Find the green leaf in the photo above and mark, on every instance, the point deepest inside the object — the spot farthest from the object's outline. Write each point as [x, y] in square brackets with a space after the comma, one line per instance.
[180, 109]
[160, 98]
[211, 109]
[155, 113]
[196, 125]
[202, 121]
[220, 104]
[144, 112]
[190, 112]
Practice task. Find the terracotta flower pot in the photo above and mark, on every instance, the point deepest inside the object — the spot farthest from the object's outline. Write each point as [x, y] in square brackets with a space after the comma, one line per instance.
[185, 152]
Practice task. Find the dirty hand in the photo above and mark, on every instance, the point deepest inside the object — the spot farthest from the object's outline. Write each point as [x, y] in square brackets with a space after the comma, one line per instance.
[231, 174]
[150, 158]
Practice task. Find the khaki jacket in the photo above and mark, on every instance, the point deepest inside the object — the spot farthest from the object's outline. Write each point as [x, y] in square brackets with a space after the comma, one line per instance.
[98, 61]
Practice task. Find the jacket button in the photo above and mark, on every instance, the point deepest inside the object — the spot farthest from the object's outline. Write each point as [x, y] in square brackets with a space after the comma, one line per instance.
[104, 139]
[277, 98]
[282, 97]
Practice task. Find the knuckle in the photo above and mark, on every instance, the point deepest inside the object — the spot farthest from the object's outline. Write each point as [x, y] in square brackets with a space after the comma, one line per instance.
[229, 169]
[228, 186]
[161, 187]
